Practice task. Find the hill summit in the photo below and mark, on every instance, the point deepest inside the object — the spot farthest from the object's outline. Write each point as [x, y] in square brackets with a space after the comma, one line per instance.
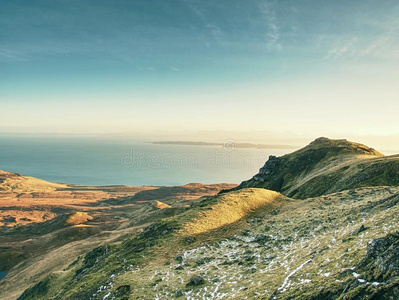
[341, 145]
[326, 166]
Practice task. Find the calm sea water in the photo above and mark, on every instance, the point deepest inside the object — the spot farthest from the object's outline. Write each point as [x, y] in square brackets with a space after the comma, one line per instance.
[89, 161]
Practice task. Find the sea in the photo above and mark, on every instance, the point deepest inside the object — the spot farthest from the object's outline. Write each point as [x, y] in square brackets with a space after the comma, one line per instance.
[108, 161]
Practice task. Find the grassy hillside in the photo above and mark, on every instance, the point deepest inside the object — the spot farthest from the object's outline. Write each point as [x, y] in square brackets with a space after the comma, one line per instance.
[320, 223]
[229, 208]
[330, 247]
[16, 183]
[326, 166]
[44, 226]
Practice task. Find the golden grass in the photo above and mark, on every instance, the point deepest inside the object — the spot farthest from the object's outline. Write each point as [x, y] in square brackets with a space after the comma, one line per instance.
[24, 184]
[161, 205]
[230, 208]
[11, 217]
[79, 218]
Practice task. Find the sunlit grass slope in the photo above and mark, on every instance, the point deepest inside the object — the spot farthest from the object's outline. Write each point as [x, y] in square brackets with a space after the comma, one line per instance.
[15, 183]
[229, 208]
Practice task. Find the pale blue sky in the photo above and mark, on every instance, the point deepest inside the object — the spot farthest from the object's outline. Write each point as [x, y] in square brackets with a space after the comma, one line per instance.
[311, 66]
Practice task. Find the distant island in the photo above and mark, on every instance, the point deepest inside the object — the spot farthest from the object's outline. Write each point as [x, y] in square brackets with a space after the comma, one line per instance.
[236, 145]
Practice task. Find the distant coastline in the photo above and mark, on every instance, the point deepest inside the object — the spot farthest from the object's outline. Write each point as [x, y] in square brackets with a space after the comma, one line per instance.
[236, 145]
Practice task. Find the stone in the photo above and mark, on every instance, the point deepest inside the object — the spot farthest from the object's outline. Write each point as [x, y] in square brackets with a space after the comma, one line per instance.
[179, 294]
[122, 290]
[189, 240]
[359, 230]
[253, 270]
[196, 280]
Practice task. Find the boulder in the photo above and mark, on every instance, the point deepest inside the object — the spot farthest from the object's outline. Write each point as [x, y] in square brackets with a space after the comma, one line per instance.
[359, 230]
[122, 290]
[195, 281]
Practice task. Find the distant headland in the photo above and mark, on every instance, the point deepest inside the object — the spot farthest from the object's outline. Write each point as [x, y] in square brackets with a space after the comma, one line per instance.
[236, 145]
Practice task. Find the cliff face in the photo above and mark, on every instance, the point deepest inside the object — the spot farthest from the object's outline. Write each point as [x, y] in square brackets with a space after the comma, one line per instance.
[326, 166]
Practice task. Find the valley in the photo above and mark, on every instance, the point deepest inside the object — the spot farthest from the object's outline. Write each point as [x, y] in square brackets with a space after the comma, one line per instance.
[44, 225]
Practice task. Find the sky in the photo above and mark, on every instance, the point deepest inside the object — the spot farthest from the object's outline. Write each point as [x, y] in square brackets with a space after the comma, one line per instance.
[303, 67]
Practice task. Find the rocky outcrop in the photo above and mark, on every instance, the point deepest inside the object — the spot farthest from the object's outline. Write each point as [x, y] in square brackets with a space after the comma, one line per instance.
[376, 277]
[382, 260]
[196, 280]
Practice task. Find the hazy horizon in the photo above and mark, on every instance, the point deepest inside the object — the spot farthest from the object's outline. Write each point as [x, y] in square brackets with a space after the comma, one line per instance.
[388, 144]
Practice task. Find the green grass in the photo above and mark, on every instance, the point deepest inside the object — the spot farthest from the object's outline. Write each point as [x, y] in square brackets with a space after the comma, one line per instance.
[253, 255]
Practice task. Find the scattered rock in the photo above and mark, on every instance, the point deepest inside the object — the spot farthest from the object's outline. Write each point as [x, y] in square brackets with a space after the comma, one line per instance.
[275, 212]
[359, 230]
[179, 294]
[249, 258]
[196, 280]
[246, 233]
[200, 262]
[203, 261]
[189, 239]
[255, 220]
[262, 238]
[122, 290]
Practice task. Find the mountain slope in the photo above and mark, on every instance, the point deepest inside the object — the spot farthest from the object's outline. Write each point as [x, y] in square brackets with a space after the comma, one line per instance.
[326, 166]
[45, 226]
[16, 183]
[230, 208]
[255, 243]
[305, 249]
